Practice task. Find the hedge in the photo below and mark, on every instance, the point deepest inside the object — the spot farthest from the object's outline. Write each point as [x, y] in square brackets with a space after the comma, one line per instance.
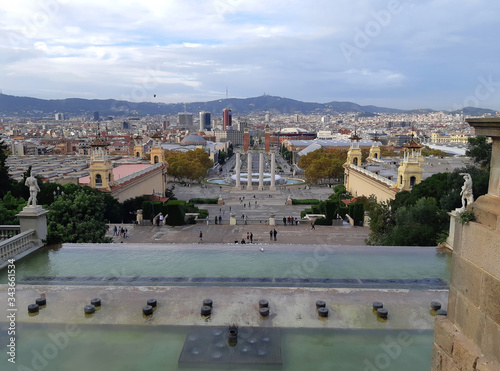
[204, 200]
[176, 212]
[311, 201]
[322, 221]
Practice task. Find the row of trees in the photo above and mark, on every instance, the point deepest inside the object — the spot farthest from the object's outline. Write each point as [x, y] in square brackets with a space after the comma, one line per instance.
[192, 165]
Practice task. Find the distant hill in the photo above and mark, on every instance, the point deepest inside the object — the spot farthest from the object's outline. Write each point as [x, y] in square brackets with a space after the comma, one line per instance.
[33, 107]
[475, 111]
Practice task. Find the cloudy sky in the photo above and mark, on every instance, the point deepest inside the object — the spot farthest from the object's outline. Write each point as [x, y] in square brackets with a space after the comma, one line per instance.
[440, 54]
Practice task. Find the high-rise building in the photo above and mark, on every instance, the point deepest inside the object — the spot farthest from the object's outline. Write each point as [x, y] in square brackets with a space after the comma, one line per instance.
[205, 121]
[228, 119]
[185, 119]
[96, 116]
[126, 125]
[60, 116]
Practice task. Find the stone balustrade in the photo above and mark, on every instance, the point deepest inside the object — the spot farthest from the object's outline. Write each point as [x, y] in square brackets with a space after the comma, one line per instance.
[380, 178]
[16, 245]
[8, 231]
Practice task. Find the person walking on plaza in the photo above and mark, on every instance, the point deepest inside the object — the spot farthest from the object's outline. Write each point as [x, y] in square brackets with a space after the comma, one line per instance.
[275, 233]
[270, 235]
[220, 219]
[284, 220]
[207, 219]
[251, 237]
[312, 226]
[201, 236]
[115, 231]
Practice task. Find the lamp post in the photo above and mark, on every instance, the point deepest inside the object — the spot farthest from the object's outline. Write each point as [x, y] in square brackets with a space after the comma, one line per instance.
[58, 194]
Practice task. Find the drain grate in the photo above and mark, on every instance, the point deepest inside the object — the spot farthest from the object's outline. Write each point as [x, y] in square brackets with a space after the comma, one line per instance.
[209, 345]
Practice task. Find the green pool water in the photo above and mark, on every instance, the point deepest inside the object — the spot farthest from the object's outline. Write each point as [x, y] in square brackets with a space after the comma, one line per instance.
[132, 348]
[226, 261]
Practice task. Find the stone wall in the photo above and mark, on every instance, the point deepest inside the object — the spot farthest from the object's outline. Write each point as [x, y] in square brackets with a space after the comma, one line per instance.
[469, 337]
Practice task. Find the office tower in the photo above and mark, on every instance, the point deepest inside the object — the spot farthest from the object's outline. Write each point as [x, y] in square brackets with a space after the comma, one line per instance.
[228, 119]
[185, 119]
[126, 125]
[96, 116]
[205, 121]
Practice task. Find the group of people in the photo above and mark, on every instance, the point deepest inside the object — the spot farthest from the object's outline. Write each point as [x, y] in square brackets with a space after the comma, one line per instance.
[290, 220]
[123, 232]
[272, 233]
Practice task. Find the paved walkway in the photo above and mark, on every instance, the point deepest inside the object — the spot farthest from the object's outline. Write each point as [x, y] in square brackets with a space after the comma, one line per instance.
[256, 206]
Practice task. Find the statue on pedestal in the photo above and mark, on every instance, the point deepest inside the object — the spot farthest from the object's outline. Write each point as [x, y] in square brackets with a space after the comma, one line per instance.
[466, 193]
[32, 183]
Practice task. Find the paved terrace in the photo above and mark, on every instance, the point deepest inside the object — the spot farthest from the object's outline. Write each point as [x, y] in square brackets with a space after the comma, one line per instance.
[261, 206]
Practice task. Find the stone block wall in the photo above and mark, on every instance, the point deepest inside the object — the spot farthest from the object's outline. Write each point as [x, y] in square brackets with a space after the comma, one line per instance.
[469, 337]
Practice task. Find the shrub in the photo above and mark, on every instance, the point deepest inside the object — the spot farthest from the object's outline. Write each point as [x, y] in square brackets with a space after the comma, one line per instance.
[305, 202]
[322, 221]
[175, 213]
[204, 200]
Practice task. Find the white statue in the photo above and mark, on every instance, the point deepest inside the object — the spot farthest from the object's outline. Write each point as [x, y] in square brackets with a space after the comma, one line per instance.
[32, 183]
[466, 193]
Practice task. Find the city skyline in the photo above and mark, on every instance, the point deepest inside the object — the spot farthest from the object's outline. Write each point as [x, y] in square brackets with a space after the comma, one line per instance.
[397, 53]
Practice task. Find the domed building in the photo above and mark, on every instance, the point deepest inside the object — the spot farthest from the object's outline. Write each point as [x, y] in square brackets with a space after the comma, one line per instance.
[193, 140]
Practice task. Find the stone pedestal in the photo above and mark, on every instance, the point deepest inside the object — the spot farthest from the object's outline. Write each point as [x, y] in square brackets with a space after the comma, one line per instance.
[232, 219]
[34, 217]
[220, 201]
[272, 219]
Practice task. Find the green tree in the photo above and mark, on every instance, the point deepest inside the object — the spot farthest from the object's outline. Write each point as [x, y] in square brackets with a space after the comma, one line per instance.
[480, 151]
[5, 185]
[9, 207]
[418, 225]
[77, 217]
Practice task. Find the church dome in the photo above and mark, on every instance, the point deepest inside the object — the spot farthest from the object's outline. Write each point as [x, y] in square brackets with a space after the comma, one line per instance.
[193, 139]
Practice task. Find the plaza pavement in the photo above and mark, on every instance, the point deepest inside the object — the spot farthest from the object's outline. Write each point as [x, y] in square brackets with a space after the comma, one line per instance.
[261, 206]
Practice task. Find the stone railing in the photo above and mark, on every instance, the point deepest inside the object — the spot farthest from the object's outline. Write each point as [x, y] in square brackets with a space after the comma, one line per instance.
[8, 231]
[17, 245]
[380, 178]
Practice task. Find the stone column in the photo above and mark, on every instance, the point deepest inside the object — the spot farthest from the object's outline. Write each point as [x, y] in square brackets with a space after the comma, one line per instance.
[249, 171]
[238, 160]
[261, 171]
[273, 171]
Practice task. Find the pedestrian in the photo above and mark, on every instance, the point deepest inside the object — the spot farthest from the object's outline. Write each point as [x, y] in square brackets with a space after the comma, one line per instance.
[201, 236]
[312, 226]
[246, 219]
[296, 221]
[161, 219]
[215, 219]
[248, 235]
[220, 219]
[229, 208]
[251, 237]
[207, 219]
[157, 221]
[275, 233]
[125, 233]
[115, 231]
[288, 220]
[270, 235]
[244, 205]
[284, 221]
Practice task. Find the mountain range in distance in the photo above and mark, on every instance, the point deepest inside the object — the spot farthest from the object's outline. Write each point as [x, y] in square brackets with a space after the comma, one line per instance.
[33, 107]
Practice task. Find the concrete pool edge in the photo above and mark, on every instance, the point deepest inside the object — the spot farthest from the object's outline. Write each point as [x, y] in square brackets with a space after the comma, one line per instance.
[180, 305]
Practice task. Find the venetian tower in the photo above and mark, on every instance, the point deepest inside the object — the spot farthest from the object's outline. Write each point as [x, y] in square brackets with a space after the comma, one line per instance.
[354, 153]
[157, 154]
[100, 169]
[374, 150]
[410, 169]
[138, 147]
